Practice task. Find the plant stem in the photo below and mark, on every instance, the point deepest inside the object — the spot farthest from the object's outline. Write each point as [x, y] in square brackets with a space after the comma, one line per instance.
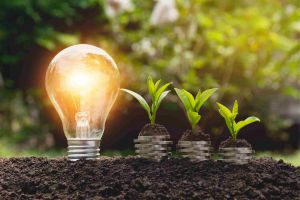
[193, 128]
[152, 119]
[232, 128]
[234, 136]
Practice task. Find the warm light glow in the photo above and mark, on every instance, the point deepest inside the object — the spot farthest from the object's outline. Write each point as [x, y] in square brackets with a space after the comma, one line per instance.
[80, 81]
[83, 80]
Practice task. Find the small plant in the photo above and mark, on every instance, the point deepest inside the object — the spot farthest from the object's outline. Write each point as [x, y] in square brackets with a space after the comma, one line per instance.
[230, 116]
[157, 95]
[193, 104]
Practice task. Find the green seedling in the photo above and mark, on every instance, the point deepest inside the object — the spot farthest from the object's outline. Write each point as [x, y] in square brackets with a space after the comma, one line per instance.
[229, 116]
[193, 104]
[157, 95]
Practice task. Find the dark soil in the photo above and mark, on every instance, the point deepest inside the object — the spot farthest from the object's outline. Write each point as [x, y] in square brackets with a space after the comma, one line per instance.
[137, 178]
[154, 130]
[199, 135]
[234, 143]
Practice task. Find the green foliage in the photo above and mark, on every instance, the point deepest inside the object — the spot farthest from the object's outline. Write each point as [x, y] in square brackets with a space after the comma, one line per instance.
[21, 120]
[230, 116]
[251, 50]
[192, 105]
[157, 94]
[251, 46]
[49, 24]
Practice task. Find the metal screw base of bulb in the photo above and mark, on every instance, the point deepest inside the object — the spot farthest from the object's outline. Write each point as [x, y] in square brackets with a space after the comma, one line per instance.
[83, 149]
[236, 155]
[195, 150]
[153, 147]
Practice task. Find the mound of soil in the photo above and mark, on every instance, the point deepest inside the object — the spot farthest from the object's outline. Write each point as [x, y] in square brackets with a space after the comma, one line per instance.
[153, 130]
[234, 143]
[199, 135]
[137, 178]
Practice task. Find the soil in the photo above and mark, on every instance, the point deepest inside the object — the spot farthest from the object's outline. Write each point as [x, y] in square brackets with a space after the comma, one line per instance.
[199, 135]
[234, 143]
[154, 130]
[137, 178]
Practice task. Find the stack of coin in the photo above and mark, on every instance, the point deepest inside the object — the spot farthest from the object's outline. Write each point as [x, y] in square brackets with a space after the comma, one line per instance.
[236, 155]
[153, 147]
[195, 150]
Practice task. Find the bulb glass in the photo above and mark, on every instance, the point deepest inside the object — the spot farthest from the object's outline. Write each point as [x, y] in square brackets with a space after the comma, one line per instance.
[82, 82]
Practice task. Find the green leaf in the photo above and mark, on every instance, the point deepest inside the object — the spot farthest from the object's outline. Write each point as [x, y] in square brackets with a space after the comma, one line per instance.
[235, 109]
[184, 99]
[162, 96]
[155, 106]
[201, 98]
[227, 115]
[159, 92]
[140, 99]
[156, 85]
[190, 98]
[225, 111]
[198, 95]
[245, 122]
[151, 87]
[194, 118]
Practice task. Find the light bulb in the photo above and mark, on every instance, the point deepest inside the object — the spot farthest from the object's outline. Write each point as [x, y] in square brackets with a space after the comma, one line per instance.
[82, 82]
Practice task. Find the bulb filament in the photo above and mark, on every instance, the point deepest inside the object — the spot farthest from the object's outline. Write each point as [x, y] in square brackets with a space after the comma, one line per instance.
[82, 125]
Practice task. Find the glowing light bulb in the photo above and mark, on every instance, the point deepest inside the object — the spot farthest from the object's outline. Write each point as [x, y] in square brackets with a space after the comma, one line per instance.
[82, 82]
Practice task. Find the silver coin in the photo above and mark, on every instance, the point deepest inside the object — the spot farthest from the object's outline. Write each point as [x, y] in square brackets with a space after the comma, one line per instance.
[194, 143]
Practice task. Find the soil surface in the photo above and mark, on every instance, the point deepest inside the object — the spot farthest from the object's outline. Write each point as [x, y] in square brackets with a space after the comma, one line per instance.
[199, 135]
[137, 178]
[234, 143]
[154, 130]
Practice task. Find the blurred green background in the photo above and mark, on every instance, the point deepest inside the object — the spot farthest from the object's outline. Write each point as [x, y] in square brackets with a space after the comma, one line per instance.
[250, 50]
